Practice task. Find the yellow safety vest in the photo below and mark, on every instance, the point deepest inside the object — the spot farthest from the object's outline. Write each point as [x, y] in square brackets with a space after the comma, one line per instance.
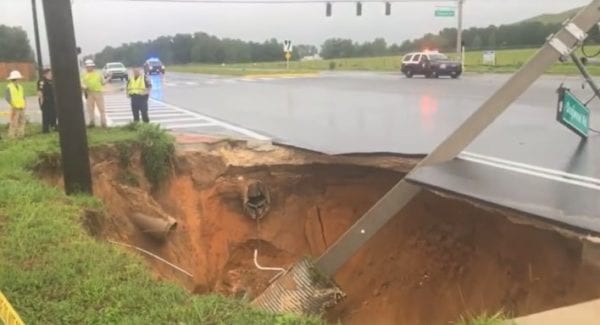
[137, 86]
[92, 81]
[17, 95]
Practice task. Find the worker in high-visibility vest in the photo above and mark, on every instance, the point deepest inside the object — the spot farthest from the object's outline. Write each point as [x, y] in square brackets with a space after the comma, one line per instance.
[93, 86]
[138, 89]
[15, 96]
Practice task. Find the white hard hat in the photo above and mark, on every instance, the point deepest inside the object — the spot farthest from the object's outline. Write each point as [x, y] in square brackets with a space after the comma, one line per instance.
[89, 63]
[15, 75]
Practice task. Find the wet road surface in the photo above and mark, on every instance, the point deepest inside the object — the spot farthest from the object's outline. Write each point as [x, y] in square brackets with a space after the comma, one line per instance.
[347, 112]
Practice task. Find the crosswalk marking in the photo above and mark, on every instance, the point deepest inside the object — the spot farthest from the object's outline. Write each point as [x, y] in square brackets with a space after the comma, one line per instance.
[173, 120]
[186, 125]
[171, 117]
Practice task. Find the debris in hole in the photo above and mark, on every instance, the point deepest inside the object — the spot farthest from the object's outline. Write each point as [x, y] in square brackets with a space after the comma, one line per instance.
[302, 290]
[157, 228]
[257, 200]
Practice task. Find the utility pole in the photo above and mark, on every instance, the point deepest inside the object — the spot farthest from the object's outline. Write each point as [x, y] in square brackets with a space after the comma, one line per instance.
[63, 56]
[302, 295]
[459, 29]
[36, 32]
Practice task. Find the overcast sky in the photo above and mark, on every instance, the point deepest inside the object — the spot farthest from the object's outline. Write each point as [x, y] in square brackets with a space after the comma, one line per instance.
[102, 22]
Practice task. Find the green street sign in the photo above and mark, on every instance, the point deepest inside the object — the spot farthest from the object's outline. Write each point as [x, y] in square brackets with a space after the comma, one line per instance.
[573, 114]
[445, 12]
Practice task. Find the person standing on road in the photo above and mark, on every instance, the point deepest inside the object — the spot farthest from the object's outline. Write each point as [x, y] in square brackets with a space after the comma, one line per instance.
[138, 89]
[15, 96]
[46, 99]
[93, 86]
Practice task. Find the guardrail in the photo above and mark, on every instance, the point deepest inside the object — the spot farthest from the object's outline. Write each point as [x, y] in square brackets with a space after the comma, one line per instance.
[8, 315]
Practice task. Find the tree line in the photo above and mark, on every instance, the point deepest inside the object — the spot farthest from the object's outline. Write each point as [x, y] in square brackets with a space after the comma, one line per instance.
[200, 48]
[521, 35]
[204, 48]
[14, 45]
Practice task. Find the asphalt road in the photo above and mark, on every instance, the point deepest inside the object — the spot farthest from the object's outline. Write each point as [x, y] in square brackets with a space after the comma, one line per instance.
[368, 112]
[364, 112]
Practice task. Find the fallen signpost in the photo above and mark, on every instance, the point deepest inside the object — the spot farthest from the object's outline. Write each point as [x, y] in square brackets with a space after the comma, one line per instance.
[300, 291]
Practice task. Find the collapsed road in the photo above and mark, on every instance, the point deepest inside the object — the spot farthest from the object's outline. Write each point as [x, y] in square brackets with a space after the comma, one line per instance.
[462, 258]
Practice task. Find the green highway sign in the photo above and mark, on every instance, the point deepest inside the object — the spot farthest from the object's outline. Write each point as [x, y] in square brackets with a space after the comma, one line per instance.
[445, 13]
[573, 113]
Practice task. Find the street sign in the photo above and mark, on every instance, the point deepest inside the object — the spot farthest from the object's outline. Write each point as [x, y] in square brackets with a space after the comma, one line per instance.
[288, 56]
[445, 12]
[572, 113]
[287, 46]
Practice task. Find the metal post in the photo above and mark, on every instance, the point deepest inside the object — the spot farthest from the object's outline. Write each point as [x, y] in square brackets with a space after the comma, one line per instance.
[459, 29]
[586, 75]
[36, 32]
[63, 56]
[402, 193]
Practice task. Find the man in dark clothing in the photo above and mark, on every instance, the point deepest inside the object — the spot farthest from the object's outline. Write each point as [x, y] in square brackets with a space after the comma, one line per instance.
[46, 98]
[138, 89]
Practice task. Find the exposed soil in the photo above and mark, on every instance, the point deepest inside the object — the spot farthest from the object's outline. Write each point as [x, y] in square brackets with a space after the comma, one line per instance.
[438, 259]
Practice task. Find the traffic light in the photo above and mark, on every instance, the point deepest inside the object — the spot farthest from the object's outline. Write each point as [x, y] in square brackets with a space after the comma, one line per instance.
[328, 9]
[358, 9]
[388, 8]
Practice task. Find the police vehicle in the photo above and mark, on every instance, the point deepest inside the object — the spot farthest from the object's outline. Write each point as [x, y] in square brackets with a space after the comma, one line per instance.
[154, 66]
[430, 65]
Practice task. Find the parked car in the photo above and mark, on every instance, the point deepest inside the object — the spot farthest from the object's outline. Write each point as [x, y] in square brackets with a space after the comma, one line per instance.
[430, 64]
[115, 70]
[154, 66]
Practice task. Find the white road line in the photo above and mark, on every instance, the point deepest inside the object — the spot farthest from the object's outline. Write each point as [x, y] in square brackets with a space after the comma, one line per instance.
[152, 116]
[187, 126]
[191, 83]
[118, 113]
[171, 114]
[222, 124]
[532, 173]
[533, 167]
[163, 121]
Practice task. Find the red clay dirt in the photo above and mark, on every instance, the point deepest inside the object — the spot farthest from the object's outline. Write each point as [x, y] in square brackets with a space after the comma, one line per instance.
[437, 260]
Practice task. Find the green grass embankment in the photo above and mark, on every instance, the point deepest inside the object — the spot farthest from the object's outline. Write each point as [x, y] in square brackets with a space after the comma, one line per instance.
[507, 61]
[53, 272]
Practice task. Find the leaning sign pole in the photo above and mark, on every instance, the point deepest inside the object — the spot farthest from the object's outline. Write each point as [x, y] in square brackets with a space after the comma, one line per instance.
[558, 45]
[69, 102]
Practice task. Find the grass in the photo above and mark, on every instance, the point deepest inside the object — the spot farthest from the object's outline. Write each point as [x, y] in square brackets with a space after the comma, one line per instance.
[54, 273]
[507, 61]
[557, 18]
[29, 87]
[157, 150]
[498, 318]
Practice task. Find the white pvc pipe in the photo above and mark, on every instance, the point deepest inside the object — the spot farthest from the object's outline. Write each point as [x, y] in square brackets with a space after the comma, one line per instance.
[154, 256]
[262, 268]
